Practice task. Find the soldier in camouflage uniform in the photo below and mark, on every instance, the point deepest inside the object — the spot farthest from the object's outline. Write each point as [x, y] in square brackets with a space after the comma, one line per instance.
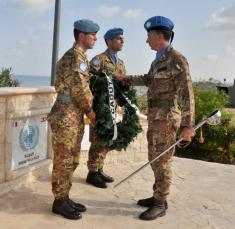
[170, 106]
[109, 62]
[74, 99]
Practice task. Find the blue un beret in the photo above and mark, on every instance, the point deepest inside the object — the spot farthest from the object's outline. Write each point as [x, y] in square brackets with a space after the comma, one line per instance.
[86, 26]
[112, 33]
[159, 22]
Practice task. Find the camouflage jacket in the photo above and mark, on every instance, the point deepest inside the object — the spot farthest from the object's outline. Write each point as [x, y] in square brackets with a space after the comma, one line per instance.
[72, 82]
[104, 62]
[170, 91]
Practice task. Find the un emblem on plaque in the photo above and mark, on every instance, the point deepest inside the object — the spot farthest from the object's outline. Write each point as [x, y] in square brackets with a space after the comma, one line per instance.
[28, 137]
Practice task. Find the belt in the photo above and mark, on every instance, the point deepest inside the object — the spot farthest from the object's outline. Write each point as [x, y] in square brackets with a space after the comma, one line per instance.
[162, 103]
[65, 98]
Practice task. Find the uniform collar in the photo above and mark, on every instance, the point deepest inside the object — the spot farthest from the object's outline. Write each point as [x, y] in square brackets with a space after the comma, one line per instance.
[78, 49]
[162, 53]
[113, 57]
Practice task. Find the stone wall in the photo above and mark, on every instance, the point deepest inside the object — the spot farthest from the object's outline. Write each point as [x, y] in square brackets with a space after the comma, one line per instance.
[26, 103]
[18, 104]
[2, 137]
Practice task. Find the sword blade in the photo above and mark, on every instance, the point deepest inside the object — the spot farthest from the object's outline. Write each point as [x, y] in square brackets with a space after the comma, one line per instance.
[149, 162]
[156, 158]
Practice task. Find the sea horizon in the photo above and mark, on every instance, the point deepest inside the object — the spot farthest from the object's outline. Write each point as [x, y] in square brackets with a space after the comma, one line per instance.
[40, 81]
[32, 80]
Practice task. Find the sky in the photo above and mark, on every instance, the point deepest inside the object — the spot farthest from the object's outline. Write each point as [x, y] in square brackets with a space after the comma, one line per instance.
[204, 33]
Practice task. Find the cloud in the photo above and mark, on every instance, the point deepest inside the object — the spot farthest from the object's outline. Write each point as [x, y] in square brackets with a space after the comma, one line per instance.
[133, 13]
[16, 52]
[47, 27]
[211, 57]
[22, 42]
[32, 7]
[230, 50]
[108, 11]
[224, 19]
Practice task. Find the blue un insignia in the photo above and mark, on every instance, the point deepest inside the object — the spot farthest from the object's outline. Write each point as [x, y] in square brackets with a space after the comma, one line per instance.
[96, 62]
[83, 67]
[29, 137]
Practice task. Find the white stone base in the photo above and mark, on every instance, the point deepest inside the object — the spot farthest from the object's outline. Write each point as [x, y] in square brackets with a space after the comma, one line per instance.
[32, 173]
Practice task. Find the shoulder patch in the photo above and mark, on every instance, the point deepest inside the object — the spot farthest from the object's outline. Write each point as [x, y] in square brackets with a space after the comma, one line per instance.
[96, 61]
[83, 66]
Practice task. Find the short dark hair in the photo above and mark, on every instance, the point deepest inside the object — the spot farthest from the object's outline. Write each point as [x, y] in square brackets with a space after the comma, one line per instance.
[166, 33]
[76, 33]
[106, 42]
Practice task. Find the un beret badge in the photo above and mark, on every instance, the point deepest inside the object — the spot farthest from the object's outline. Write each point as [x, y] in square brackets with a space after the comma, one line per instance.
[148, 24]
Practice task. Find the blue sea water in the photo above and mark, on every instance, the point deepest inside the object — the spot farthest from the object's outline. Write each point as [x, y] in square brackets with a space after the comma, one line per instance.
[32, 81]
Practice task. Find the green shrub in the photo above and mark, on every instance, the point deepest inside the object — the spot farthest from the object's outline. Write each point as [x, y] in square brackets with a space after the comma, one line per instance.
[142, 103]
[219, 141]
[6, 78]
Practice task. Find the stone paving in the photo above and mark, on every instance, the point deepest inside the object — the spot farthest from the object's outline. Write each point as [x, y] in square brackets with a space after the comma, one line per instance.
[202, 196]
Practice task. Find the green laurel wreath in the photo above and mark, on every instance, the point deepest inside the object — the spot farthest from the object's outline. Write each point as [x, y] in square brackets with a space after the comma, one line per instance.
[129, 127]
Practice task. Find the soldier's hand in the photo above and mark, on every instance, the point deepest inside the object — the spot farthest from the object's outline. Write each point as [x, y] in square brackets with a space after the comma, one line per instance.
[119, 76]
[92, 116]
[187, 134]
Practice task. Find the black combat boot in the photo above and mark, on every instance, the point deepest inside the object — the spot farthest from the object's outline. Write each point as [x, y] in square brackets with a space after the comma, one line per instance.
[95, 179]
[148, 202]
[157, 210]
[105, 177]
[62, 207]
[77, 206]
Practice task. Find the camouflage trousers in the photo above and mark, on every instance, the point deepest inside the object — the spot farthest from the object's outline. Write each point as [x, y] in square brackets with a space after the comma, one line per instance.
[66, 143]
[97, 153]
[160, 135]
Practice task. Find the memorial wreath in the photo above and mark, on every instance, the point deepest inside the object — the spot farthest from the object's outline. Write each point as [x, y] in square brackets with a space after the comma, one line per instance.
[108, 92]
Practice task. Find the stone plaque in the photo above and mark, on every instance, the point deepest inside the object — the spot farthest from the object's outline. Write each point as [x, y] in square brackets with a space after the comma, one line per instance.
[29, 141]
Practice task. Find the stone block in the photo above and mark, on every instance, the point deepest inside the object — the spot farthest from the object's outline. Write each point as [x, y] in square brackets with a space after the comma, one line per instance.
[2, 99]
[8, 159]
[2, 131]
[8, 131]
[2, 163]
[30, 102]
[2, 110]
[42, 101]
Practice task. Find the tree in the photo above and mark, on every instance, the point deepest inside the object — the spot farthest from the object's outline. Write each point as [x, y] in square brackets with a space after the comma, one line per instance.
[6, 78]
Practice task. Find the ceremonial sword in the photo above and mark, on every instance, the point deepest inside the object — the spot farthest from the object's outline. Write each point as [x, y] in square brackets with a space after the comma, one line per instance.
[213, 119]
